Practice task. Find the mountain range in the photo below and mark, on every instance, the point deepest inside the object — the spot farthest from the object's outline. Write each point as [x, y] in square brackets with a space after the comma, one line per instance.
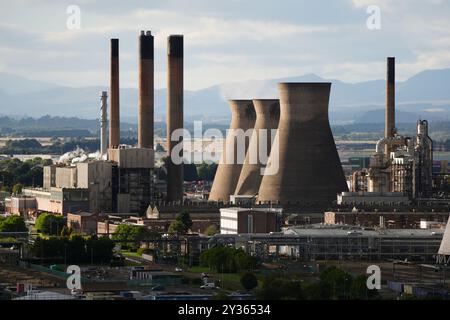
[426, 95]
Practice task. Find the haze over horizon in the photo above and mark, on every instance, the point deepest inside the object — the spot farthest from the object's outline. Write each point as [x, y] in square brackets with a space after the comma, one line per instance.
[224, 42]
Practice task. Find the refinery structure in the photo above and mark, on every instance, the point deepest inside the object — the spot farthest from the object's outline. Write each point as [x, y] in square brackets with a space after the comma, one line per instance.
[400, 164]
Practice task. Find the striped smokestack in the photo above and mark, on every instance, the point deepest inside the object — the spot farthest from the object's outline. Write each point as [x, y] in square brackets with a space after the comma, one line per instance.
[114, 115]
[146, 91]
[174, 114]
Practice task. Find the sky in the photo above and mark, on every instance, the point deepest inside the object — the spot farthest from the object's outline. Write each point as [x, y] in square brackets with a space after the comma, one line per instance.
[225, 40]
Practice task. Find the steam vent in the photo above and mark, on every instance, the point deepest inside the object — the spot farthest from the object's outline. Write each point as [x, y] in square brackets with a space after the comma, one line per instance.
[310, 170]
[267, 118]
[242, 117]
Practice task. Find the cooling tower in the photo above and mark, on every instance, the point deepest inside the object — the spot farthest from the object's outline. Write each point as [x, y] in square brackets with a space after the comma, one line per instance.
[242, 117]
[146, 91]
[267, 117]
[310, 171]
[174, 114]
[114, 116]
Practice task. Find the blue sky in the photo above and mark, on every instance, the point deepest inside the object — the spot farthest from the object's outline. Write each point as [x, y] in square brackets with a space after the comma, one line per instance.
[225, 41]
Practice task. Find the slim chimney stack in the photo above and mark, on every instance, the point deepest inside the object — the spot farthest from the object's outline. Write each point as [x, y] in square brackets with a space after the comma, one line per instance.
[114, 115]
[174, 114]
[146, 91]
[390, 98]
[103, 123]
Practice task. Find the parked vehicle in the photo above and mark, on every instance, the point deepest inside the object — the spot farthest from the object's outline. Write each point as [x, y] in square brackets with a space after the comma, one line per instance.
[209, 285]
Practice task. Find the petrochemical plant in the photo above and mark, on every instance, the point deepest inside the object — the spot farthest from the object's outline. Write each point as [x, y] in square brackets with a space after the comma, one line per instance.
[288, 186]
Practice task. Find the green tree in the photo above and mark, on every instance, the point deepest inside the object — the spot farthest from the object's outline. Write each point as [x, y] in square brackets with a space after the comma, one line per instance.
[176, 227]
[277, 288]
[227, 260]
[190, 172]
[49, 224]
[133, 235]
[211, 230]
[185, 218]
[249, 281]
[206, 171]
[13, 224]
[336, 283]
[17, 188]
[359, 290]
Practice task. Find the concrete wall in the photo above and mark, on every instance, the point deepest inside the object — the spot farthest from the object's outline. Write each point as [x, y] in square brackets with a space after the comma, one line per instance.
[133, 157]
[49, 177]
[96, 176]
[66, 177]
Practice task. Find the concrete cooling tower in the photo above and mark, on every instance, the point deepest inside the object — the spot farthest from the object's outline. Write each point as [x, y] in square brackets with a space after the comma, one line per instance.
[242, 117]
[310, 170]
[267, 117]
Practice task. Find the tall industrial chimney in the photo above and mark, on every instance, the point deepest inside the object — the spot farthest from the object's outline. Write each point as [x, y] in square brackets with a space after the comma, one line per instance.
[267, 118]
[174, 114]
[309, 169]
[227, 175]
[390, 98]
[114, 113]
[103, 123]
[146, 91]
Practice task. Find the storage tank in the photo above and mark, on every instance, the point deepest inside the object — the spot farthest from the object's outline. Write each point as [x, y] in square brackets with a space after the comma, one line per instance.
[242, 117]
[310, 170]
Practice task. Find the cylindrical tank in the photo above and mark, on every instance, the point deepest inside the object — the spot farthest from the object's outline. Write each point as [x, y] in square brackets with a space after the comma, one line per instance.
[114, 113]
[227, 175]
[309, 168]
[267, 117]
[174, 114]
[146, 91]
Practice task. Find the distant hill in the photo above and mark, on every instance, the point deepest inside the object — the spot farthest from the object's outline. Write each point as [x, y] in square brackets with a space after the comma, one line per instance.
[425, 95]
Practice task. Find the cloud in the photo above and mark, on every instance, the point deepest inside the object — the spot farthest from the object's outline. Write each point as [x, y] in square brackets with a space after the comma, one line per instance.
[223, 43]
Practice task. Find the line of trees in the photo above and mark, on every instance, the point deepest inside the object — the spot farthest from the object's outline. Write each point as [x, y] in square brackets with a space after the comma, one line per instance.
[132, 235]
[334, 284]
[74, 249]
[12, 224]
[15, 172]
[227, 260]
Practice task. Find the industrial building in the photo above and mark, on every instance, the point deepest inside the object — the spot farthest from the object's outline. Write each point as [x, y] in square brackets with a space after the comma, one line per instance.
[54, 200]
[237, 220]
[360, 244]
[400, 164]
[391, 220]
[319, 242]
[121, 178]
